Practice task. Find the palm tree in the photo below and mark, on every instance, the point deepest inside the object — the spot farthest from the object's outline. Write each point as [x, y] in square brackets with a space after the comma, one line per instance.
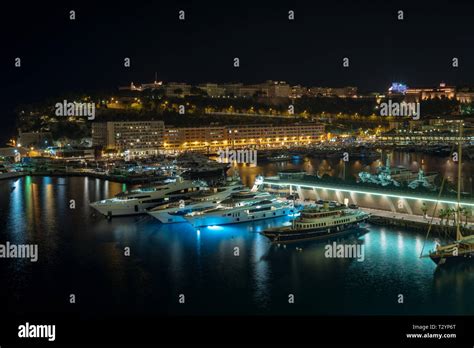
[467, 214]
[442, 215]
[453, 213]
[449, 213]
[447, 216]
[424, 209]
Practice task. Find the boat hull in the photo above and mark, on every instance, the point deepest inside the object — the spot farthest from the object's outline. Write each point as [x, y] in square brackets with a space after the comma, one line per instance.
[314, 234]
[175, 215]
[203, 174]
[122, 209]
[452, 260]
[218, 219]
[167, 218]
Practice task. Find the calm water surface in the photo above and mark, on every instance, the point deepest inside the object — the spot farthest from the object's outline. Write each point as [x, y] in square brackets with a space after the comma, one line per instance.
[83, 254]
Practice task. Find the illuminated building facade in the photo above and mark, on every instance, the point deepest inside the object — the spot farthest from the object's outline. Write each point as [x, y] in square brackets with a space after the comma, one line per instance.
[275, 136]
[442, 91]
[212, 89]
[147, 137]
[397, 88]
[141, 137]
[194, 138]
[240, 136]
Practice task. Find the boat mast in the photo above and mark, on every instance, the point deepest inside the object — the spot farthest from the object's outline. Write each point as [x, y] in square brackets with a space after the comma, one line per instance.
[458, 228]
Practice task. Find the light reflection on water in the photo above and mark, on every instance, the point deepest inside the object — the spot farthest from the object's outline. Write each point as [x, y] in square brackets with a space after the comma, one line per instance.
[85, 253]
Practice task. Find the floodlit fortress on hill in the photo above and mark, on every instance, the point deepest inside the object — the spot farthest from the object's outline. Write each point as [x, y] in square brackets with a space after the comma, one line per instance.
[148, 137]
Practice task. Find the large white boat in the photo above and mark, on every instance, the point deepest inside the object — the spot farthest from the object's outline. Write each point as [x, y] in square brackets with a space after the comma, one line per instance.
[242, 207]
[175, 211]
[319, 222]
[140, 200]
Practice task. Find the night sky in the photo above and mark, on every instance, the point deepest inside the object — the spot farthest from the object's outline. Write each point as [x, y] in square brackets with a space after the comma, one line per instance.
[60, 55]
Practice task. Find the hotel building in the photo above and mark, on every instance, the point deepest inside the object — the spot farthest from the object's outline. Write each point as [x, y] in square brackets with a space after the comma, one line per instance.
[241, 136]
[275, 136]
[148, 137]
[194, 138]
[140, 138]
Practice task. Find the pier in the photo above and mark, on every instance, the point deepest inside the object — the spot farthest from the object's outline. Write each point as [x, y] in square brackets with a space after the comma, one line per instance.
[413, 222]
[382, 199]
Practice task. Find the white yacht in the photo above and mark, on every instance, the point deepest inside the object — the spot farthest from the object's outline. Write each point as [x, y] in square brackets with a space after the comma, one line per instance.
[175, 211]
[240, 207]
[140, 200]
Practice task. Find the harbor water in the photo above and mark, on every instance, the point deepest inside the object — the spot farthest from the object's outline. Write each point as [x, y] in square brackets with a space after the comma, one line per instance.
[84, 254]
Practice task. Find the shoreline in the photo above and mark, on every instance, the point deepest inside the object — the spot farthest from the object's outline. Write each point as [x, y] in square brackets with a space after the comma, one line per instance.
[113, 178]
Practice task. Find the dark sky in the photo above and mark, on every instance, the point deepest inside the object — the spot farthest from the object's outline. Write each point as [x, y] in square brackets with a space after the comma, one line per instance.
[60, 55]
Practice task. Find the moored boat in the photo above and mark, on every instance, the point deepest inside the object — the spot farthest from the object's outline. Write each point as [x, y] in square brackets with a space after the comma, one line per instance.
[244, 206]
[174, 212]
[462, 249]
[140, 200]
[319, 222]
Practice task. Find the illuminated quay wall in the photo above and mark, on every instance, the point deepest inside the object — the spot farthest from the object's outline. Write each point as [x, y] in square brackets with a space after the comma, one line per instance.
[404, 202]
[414, 138]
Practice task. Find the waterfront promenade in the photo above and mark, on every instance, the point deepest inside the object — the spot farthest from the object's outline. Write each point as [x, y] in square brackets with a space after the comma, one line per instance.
[417, 222]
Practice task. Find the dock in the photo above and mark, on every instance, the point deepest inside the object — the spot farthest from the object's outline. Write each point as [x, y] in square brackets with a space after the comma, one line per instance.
[408, 221]
[413, 222]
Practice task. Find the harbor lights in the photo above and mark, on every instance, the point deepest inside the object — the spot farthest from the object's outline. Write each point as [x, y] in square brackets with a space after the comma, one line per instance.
[215, 227]
[370, 193]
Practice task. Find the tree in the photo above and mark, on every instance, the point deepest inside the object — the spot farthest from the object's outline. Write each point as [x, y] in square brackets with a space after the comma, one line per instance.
[454, 214]
[442, 215]
[424, 209]
[448, 216]
[467, 214]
